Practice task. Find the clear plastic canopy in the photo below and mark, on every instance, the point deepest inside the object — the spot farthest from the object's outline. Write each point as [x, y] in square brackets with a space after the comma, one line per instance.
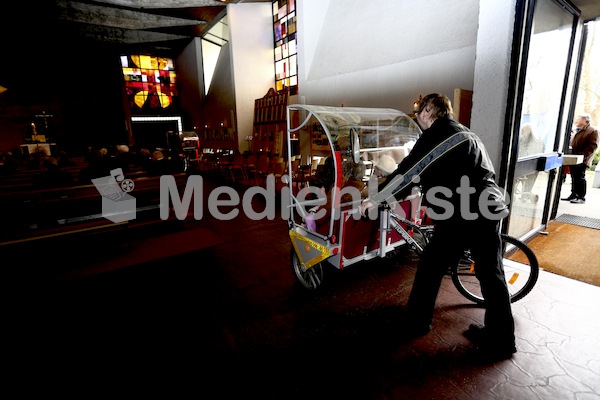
[380, 130]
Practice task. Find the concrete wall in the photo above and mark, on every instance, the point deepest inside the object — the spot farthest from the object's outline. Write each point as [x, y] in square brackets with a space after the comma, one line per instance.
[252, 60]
[492, 70]
[389, 54]
[189, 74]
[243, 73]
[385, 55]
[220, 99]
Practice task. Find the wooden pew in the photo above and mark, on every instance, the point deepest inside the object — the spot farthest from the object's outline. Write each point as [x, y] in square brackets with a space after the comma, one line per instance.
[40, 214]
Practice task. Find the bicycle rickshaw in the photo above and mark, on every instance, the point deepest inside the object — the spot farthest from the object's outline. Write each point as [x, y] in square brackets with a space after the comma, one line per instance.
[318, 136]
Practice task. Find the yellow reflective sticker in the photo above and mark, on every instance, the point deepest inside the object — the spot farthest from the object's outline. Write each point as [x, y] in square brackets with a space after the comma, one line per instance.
[312, 252]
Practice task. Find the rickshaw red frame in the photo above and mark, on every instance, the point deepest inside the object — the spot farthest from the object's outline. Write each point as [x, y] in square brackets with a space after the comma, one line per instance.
[343, 239]
[362, 135]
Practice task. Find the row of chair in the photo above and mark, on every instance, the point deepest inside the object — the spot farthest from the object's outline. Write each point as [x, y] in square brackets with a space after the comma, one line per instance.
[253, 168]
[261, 166]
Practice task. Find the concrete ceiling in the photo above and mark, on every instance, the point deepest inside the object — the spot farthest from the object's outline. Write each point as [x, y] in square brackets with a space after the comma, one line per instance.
[157, 26]
[590, 9]
[162, 27]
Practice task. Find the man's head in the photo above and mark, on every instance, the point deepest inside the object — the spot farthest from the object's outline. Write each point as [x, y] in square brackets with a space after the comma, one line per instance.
[157, 155]
[432, 107]
[582, 121]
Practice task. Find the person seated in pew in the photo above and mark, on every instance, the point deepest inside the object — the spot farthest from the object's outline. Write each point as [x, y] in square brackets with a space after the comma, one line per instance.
[119, 157]
[97, 166]
[160, 165]
[8, 164]
[64, 160]
[143, 159]
[52, 175]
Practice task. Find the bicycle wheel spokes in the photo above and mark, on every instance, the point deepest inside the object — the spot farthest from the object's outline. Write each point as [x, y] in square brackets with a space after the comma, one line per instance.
[310, 279]
[521, 270]
[465, 280]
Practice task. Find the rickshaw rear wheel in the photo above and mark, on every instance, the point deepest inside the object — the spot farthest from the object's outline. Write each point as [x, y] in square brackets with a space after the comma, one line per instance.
[310, 279]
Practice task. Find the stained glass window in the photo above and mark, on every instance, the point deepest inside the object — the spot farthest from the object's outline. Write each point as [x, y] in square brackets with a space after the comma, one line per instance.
[284, 30]
[150, 82]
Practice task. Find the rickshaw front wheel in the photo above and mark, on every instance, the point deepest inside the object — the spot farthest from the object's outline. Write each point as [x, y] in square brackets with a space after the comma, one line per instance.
[310, 279]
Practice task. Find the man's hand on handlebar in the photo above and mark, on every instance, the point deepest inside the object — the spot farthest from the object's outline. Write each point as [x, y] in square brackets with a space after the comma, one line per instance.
[365, 207]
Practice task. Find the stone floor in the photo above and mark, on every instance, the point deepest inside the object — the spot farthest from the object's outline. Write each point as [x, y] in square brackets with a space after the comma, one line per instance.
[231, 322]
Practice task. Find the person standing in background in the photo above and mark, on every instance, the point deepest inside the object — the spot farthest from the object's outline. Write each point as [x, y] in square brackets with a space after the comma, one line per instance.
[584, 141]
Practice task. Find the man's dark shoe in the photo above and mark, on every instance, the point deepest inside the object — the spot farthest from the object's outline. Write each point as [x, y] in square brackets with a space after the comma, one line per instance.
[475, 333]
[488, 349]
[571, 197]
[578, 201]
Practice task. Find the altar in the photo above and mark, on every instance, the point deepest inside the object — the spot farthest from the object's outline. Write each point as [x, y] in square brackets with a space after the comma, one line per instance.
[29, 148]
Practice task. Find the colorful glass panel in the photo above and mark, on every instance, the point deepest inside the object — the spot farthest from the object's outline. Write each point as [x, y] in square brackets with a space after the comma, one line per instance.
[150, 82]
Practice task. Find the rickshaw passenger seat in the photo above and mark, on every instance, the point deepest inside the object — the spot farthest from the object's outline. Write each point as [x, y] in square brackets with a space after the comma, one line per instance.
[357, 234]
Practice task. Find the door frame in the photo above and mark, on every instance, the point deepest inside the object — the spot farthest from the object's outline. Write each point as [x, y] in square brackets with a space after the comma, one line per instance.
[510, 168]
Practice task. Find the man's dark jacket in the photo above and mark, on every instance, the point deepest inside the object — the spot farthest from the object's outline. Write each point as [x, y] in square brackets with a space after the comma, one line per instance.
[444, 154]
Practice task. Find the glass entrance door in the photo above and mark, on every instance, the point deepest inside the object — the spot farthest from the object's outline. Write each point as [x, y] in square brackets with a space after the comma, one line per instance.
[538, 130]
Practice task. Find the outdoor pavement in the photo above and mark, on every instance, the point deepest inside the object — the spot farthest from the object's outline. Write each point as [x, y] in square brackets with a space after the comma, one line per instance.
[590, 209]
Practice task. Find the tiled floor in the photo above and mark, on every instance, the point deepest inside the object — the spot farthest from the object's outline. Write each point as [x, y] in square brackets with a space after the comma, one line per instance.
[230, 322]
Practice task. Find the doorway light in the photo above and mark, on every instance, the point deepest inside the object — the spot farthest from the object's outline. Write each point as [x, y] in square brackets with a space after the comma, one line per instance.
[154, 119]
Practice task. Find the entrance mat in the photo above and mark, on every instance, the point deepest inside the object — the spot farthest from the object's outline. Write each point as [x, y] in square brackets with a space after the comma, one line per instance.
[568, 250]
[581, 221]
